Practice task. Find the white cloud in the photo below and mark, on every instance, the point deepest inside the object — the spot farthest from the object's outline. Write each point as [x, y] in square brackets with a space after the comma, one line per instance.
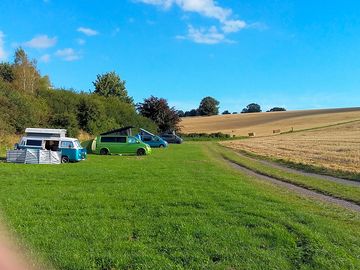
[88, 31]
[204, 35]
[231, 26]
[45, 58]
[3, 54]
[68, 54]
[206, 8]
[41, 42]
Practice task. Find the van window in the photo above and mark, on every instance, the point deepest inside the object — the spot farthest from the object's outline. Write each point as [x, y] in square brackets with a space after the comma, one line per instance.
[147, 139]
[33, 143]
[113, 139]
[67, 145]
[132, 140]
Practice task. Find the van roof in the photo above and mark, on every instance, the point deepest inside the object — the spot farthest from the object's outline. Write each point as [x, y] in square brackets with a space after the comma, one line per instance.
[45, 132]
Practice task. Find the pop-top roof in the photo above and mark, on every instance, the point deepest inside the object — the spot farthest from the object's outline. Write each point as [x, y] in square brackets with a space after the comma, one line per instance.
[120, 131]
[45, 132]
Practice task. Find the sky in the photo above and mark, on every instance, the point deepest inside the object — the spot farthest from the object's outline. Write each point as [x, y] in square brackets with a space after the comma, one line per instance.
[294, 54]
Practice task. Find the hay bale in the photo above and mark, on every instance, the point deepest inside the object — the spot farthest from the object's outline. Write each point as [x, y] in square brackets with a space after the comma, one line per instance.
[251, 134]
[276, 131]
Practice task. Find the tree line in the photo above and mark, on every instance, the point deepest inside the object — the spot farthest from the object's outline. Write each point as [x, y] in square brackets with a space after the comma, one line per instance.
[210, 106]
[27, 99]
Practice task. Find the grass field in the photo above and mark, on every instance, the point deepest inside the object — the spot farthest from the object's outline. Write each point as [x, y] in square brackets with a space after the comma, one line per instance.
[264, 123]
[181, 208]
[334, 148]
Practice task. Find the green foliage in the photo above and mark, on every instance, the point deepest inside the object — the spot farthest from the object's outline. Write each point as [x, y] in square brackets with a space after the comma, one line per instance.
[7, 72]
[209, 106]
[252, 108]
[158, 110]
[67, 121]
[110, 85]
[277, 109]
[27, 100]
[226, 112]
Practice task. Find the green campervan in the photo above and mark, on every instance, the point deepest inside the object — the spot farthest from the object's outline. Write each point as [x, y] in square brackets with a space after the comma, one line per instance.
[119, 144]
[119, 141]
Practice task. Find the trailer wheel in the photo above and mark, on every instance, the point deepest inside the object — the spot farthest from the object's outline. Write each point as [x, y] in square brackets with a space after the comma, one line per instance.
[65, 159]
[104, 151]
[140, 152]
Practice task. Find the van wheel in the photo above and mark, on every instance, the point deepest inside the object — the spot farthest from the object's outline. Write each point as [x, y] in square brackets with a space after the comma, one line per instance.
[161, 146]
[65, 159]
[104, 151]
[140, 152]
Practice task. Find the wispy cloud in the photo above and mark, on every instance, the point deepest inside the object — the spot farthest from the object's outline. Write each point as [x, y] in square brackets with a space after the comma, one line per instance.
[41, 42]
[87, 31]
[207, 8]
[3, 54]
[45, 58]
[204, 35]
[68, 54]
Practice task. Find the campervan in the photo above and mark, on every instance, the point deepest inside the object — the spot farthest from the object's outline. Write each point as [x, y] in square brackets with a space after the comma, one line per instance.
[54, 140]
[151, 139]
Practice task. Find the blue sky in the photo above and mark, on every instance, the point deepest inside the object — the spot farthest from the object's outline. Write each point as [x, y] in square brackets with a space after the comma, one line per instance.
[297, 54]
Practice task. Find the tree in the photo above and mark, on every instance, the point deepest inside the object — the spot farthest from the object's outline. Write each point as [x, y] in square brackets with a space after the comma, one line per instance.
[158, 110]
[209, 106]
[226, 112]
[26, 73]
[251, 108]
[7, 72]
[234, 113]
[110, 84]
[180, 113]
[277, 109]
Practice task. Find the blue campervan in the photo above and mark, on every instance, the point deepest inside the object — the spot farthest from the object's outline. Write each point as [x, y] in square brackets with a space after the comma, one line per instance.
[151, 139]
[54, 140]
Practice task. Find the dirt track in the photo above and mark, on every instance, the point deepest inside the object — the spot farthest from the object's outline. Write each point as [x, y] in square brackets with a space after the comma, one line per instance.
[297, 189]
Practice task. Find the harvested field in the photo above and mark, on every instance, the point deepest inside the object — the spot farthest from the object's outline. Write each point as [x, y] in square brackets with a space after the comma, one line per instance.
[335, 148]
[265, 123]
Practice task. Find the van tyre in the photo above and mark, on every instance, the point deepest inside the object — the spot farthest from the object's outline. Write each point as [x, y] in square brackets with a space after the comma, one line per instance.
[140, 152]
[104, 152]
[161, 146]
[65, 159]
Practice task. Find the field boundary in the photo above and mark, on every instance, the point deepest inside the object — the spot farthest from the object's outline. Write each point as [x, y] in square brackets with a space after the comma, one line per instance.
[301, 167]
[293, 187]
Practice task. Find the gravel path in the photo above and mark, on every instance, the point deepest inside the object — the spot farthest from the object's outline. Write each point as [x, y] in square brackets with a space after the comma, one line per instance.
[315, 175]
[297, 189]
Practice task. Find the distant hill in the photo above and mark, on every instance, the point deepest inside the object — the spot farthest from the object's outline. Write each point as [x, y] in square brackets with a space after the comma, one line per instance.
[264, 123]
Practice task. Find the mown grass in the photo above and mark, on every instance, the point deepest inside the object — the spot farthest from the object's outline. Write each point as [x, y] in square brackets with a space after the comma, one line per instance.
[343, 191]
[180, 208]
[306, 167]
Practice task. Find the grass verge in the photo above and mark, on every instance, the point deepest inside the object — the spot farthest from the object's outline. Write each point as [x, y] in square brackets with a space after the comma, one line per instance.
[306, 167]
[180, 208]
[346, 192]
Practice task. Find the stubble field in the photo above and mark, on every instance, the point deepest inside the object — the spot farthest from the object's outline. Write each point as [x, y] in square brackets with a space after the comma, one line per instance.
[335, 148]
[263, 124]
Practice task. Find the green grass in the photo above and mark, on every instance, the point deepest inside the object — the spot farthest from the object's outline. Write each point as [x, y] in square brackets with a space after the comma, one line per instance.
[180, 208]
[347, 192]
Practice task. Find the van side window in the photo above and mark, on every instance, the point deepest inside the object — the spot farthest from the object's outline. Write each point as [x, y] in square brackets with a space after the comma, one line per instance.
[132, 140]
[113, 139]
[66, 144]
[33, 142]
